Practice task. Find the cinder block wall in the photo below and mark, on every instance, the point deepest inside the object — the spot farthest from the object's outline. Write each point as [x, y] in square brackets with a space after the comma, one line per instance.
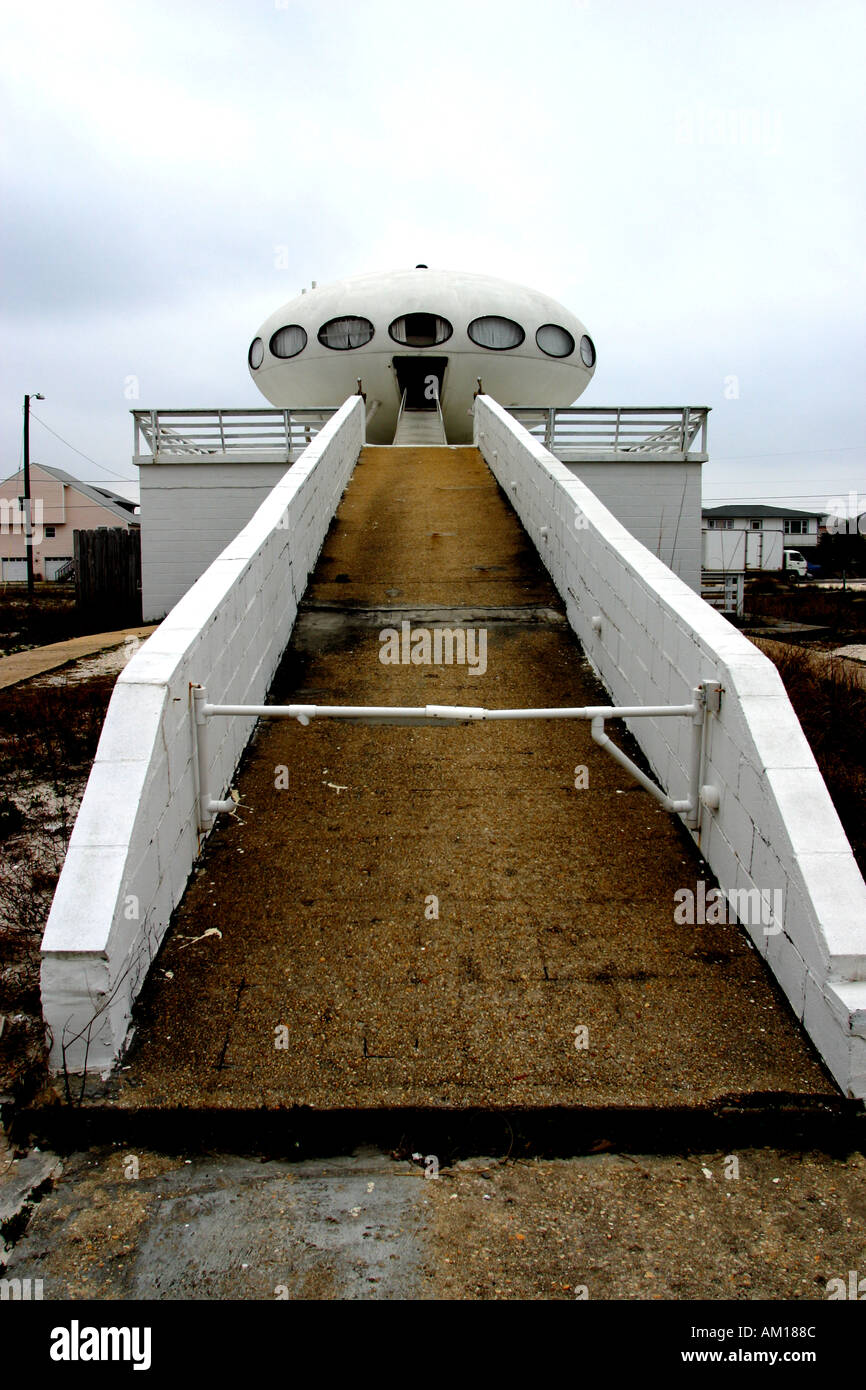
[776, 827]
[658, 503]
[189, 512]
[136, 834]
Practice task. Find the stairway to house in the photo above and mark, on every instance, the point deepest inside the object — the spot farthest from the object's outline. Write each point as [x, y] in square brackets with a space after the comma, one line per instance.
[420, 427]
[476, 917]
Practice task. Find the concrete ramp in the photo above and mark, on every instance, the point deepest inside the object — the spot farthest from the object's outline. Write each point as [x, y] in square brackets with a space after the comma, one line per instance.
[461, 917]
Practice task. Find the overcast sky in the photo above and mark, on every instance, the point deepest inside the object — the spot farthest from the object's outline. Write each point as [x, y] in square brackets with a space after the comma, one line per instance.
[686, 177]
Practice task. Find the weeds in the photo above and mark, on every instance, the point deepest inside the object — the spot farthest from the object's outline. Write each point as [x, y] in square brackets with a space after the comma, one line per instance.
[48, 738]
[52, 617]
[801, 603]
[830, 703]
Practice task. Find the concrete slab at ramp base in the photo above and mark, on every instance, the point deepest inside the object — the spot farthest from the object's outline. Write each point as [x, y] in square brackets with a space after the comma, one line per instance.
[136, 835]
[652, 640]
[373, 1226]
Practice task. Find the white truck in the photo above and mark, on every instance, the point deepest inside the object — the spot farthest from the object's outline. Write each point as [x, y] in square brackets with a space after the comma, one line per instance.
[733, 551]
[795, 565]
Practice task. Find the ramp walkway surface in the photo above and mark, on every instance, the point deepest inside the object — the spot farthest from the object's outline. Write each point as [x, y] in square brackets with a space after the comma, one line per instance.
[419, 427]
[403, 917]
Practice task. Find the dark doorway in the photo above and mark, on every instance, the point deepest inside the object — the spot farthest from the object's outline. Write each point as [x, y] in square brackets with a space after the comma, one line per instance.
[421, 378]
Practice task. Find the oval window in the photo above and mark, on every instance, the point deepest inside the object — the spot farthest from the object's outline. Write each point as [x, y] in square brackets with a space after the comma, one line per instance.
[496, 333]
[555, 341]
[288, 341]
[587, 351]
[256, 354]
[341, 334]
[420, 330]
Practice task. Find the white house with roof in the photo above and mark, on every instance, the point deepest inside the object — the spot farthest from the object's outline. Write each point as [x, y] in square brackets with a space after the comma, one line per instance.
[61, 505]
[798, 528]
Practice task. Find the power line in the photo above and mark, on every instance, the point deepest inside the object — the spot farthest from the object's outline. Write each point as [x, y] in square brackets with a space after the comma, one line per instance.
[793, 453]
[773, 496]
[826, 486]
[123, 476]
[825, 483]
[756, 496]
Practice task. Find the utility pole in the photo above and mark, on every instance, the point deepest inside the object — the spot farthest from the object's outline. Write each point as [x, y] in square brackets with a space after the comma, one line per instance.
[28, 525]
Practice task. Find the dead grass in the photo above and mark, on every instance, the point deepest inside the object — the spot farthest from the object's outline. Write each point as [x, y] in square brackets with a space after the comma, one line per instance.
[52, 617]
[842, 612]
[48, 738]
[830, 703]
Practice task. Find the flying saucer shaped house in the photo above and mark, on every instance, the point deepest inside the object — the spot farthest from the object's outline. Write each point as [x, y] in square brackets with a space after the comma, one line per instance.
[418, 336]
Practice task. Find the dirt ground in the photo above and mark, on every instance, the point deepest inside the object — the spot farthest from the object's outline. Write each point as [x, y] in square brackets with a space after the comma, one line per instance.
[51, 617]
[49, 729]
[755, 1224]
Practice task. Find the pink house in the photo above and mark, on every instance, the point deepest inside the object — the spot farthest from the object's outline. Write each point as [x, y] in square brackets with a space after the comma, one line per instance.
[60, 505]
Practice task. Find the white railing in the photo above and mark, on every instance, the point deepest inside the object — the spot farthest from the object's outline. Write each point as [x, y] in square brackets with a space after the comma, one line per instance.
[269, 435]
[615, 432]
[706, 699]
[441, 416]
[724, 589]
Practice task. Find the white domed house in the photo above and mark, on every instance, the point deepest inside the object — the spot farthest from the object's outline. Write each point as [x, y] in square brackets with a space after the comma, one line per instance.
[415, 336]
[418, 340]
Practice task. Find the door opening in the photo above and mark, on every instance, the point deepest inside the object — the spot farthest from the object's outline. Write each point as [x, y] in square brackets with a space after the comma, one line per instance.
[421, 378]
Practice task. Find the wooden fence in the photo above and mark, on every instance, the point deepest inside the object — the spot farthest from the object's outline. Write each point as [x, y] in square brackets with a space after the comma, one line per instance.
[108, 574]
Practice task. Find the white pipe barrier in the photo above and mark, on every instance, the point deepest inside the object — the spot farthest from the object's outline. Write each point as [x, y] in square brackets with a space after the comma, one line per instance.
[705, 700]
[135, 838]
[765, 819]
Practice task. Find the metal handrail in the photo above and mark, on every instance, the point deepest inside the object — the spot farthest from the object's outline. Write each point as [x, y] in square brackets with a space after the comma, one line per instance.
[213, 433]
[617, 431]
[439, 413]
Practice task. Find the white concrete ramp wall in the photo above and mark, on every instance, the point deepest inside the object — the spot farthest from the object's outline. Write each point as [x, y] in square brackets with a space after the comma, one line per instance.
[136, 837]
[652, 641]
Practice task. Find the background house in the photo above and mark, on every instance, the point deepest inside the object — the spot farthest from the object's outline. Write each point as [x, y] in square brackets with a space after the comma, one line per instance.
[798, 528]
[61, 505]
[742, 537]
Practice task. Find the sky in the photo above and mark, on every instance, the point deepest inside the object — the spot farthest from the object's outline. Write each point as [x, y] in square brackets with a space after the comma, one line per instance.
[685, 177]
